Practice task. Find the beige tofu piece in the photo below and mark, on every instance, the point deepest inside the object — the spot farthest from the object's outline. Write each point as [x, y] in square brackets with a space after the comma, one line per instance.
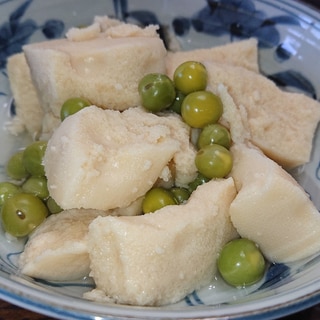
[271, 208]
[242, 53]
[29, 113]
[159, 258]
[233, 117]
[112, 28]
[282, 124]
[104, 159]
[57, 249]
[77, 62]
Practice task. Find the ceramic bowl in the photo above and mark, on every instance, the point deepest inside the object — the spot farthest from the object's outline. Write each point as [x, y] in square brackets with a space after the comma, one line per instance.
[288, 34]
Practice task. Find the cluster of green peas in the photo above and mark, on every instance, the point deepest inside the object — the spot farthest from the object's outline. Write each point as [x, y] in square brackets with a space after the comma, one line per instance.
[240, 262]
[201, 109]
[24, 200]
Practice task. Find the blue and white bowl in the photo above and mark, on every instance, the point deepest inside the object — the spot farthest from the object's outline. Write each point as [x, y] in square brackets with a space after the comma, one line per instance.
[288, 34]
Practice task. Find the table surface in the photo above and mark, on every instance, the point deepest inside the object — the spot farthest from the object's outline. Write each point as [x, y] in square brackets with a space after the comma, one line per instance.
[9, 311]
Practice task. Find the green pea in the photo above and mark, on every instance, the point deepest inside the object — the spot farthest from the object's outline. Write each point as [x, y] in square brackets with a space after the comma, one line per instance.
[7, 190]
[198, 181]
[157, 92]
[72, 106]
[190, 76]
[241, 263]
[180, 194]
[22, 213]
[32, 158]
[53, 206]
[214, 161]
[201, 108]
[15, 168]
[37, 186]
[177, 103]
[214, 133]
[157, 198]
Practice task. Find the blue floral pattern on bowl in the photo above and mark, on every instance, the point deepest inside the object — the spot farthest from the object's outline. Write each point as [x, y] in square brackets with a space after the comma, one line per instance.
[16, 32]
[237, 19]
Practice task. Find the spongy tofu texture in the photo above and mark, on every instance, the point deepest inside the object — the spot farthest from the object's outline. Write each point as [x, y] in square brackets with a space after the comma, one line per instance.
[271, 208]
[103, 159]
[159, 258]
[105, 71]
[282, 124]
[57, 249]
[29, 113]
